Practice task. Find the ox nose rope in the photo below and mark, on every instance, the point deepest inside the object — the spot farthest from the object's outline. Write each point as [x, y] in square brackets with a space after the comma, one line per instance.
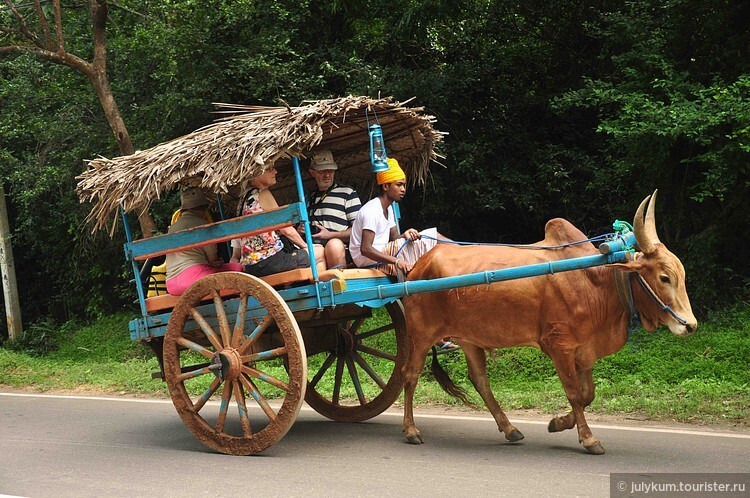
[662, 305]
[625, 291]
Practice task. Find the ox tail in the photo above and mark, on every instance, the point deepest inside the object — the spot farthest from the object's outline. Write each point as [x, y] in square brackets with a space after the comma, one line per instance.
[441, 376]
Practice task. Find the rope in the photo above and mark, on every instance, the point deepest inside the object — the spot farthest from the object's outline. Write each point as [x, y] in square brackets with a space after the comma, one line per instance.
[598, 238]
[659, 302]
[625, 293]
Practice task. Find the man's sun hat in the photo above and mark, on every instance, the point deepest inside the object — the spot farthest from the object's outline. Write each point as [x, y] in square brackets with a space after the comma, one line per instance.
[193, 197]
[394, 173]
[323, 160]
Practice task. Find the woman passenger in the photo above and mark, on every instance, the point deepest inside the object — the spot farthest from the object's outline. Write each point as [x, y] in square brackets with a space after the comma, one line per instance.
[264, 254]
[185, 267]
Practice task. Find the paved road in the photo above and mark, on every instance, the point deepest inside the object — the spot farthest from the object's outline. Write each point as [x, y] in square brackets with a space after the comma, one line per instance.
[67, 446]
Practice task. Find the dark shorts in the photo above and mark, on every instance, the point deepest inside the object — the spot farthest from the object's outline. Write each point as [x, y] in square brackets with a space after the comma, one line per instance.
[281, 261]
[323, 243]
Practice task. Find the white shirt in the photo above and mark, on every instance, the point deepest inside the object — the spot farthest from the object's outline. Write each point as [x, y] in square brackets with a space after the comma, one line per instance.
[370, 217]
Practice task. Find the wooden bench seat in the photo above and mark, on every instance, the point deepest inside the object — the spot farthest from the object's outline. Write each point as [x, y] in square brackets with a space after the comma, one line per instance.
[168, 301]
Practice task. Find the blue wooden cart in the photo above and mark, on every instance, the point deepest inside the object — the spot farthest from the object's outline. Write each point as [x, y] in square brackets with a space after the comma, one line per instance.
[240, 354]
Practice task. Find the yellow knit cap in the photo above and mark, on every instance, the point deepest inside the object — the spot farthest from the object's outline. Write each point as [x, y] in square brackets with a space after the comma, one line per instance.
[393, 174]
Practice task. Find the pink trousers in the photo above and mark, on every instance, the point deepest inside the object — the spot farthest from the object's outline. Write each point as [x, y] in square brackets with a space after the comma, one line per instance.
[179, 284]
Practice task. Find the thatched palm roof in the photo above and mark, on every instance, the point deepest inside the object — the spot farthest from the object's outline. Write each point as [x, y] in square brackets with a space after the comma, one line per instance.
[240, 146]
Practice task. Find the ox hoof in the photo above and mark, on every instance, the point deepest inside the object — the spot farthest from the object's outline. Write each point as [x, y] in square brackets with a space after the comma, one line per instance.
[514, 436]
[552, 427]
[414, 439]
[593, 446]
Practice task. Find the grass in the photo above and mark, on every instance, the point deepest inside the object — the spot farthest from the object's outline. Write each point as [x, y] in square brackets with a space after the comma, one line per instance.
[701, 379]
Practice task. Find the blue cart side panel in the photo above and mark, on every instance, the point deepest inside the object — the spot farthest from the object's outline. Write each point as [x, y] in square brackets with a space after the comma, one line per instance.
[216, 232]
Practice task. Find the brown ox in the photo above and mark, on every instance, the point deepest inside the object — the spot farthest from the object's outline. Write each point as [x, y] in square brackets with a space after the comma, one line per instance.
[574, 317]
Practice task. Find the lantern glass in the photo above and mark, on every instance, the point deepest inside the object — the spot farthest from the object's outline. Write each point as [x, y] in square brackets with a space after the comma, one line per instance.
[378, 155]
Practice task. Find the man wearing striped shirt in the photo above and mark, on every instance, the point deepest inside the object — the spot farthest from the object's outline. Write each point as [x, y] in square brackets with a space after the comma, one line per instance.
[332, 209]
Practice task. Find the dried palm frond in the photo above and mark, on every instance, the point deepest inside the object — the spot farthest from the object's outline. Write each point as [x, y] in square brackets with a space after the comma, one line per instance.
[240, 146]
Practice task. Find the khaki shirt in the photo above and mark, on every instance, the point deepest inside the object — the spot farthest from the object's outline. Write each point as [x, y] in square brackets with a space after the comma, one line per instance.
[177, 262]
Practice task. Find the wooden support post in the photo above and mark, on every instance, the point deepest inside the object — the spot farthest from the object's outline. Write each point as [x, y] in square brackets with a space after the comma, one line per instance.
[8, 273]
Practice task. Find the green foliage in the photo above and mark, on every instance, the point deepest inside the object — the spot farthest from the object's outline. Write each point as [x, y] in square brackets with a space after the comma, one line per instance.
[96, 357]
[676, 116]
[552, 110]
[39, 339]
[63, 271]
[101, 341]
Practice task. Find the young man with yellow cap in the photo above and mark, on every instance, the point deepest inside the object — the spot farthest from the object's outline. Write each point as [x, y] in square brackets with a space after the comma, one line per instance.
[375, 241]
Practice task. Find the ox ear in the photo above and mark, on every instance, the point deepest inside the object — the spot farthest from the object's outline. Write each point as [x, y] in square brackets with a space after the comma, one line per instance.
[629, 267]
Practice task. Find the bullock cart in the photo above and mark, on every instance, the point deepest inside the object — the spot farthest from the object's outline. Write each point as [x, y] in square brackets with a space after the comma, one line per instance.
[239, 353]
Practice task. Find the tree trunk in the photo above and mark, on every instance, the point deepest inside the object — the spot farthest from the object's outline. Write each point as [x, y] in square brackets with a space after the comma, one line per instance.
[99, 80]
[8, 273]
[101, 85]
[96, 71]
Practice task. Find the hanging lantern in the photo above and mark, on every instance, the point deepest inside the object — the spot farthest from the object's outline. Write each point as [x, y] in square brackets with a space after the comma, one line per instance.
[378, 156]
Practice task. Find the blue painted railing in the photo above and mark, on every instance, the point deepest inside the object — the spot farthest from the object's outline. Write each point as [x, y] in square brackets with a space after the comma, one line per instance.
[215, 232]
[376, 292]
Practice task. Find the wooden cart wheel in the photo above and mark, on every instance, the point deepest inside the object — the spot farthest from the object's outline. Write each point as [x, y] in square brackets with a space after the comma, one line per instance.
[349, 365]
[254, 353]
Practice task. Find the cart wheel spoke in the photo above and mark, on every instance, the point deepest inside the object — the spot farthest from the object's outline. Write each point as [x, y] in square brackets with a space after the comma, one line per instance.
[207, 395]
[255, 393]
[239, 324]
[221, 315]
[264, 355]
[367, 368]
[257, 374]
[374, 332]
[323, 369]
[226, 397]
[337, 379]
[376, 352]
[195, 347]
[255, 334]
[355, 380]
[194, 373]
[354, 326]
[239, 396]
[206, 328]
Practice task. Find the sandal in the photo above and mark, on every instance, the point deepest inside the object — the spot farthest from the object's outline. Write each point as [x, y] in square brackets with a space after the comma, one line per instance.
[449, 346]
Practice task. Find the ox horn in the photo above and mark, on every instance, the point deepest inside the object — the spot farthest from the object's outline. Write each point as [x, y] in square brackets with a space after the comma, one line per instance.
[645, 231]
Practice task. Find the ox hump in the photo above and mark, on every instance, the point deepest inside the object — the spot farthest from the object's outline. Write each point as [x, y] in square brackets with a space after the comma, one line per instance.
[560, 231]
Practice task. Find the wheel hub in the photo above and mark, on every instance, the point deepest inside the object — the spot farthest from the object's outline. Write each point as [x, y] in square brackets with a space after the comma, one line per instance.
[345, 341]
[227, 364]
